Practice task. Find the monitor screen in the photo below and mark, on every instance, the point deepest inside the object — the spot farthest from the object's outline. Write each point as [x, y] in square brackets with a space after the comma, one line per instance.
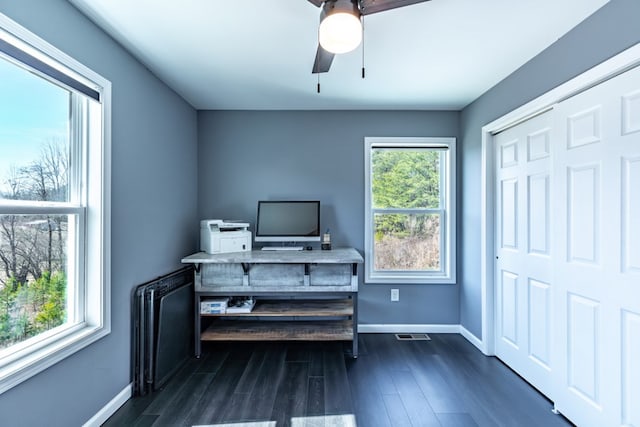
[288, 221]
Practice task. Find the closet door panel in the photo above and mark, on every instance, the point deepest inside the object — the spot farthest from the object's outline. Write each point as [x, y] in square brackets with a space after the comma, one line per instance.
[597, 171]
[524, 314]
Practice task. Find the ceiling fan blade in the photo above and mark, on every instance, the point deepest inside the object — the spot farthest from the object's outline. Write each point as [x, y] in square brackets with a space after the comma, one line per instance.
[368, 7]
[316, 3]
[323, 61]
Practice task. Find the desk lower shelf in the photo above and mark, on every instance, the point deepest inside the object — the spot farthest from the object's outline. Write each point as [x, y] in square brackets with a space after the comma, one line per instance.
[249, 330]
[295, 308]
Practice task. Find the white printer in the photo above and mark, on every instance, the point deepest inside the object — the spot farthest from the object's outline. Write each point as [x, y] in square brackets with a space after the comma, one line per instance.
[218, 236]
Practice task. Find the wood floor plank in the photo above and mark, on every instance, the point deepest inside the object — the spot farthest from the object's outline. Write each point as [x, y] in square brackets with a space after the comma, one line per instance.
[362, 345]
[470, 393]
[298, 352]
[315, 396]
[234, 410]
[212, 362]
[415, 404]
[464, 377]
[179, 409]
[380, 369]
[396, 411]
[171, 390]
[129, 413]
[250, 374]
[421, 346]
[368, 403]
[474, 374]
[253, 397]
[456, 420]
[337, 392]
[143, 421]
[439, 392]
[315, 361]
[210, 406]
[263, 395]
[386, 347]
[291, 396]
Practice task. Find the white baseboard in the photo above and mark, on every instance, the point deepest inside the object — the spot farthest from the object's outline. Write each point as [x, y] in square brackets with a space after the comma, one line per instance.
[408, 329]
[472, 339]
[424, 329]
[110, 408]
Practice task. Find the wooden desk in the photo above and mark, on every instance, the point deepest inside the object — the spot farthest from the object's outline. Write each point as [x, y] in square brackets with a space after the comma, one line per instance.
[300, 295]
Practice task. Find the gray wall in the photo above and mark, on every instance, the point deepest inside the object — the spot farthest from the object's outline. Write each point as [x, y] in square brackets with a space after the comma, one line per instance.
[607, 32]
[246, 156]
[154, 150]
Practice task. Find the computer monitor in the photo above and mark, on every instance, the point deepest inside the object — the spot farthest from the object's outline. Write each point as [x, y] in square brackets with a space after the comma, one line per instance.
[288, 221]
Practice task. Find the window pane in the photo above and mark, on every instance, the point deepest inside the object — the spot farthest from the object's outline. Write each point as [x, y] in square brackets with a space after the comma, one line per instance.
[34, 136]
[33, 275]
[406, 242]
[406, 178]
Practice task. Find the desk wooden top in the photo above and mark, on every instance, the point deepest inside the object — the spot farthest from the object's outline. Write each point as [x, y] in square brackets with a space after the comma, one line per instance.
[333, 256]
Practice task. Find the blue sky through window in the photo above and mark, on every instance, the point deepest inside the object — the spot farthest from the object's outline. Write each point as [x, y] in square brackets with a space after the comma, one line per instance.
[33, 112]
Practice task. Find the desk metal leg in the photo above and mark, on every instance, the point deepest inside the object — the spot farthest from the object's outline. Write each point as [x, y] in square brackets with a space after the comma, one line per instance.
[354, 351]
[196, 326]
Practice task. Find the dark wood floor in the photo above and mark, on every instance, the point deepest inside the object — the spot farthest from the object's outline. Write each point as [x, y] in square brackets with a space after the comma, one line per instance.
[442, 382]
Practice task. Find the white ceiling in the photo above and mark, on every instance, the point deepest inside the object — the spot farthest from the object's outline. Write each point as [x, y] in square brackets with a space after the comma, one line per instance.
[258, 54]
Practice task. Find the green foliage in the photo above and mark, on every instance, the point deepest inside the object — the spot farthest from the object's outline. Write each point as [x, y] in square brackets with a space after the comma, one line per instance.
[31, 308]
[51, 290]
[404, 179]
[7, 300]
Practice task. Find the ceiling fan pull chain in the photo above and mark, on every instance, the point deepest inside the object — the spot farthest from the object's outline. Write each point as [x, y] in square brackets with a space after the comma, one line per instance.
[318, 74]
[362, 18]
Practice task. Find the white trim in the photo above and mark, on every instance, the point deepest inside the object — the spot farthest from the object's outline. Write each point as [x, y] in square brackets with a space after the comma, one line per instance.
[477, 342]
[423, 329]
[487, 250]
[623, 61]
[38, 361]
[407, 329]
[110, 408]
[447, 275]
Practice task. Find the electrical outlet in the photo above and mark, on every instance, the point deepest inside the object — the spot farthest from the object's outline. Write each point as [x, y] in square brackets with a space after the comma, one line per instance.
[395, 294]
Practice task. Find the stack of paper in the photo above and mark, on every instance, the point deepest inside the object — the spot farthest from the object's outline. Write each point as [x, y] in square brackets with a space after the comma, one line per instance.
[241, 305]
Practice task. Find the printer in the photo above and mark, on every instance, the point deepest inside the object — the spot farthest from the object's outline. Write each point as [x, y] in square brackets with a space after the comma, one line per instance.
[218, 236]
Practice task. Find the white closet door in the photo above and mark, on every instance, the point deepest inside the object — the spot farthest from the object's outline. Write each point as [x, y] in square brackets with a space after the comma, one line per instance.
[596, 174]
[524, 320]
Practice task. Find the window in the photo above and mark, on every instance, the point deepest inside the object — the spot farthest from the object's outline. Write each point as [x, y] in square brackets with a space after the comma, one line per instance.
[410, 210]
[54, 205]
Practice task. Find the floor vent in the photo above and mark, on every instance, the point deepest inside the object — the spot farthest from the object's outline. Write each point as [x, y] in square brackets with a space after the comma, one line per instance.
[413, 337]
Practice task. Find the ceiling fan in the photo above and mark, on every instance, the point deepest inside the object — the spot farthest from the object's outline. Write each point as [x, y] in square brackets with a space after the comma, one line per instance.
[340, 26]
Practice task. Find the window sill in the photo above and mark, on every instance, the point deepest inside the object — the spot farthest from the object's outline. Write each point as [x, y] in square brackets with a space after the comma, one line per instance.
[14, 373]
[409, 280]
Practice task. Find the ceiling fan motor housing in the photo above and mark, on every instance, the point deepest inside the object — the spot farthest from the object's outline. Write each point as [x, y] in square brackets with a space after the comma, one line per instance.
[340, 6]
[340, 28]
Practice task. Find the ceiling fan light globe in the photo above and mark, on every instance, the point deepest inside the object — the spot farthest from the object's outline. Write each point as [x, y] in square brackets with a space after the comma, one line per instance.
[340, 32]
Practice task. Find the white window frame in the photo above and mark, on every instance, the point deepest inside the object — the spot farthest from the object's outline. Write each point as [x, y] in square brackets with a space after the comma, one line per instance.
[91, 146]
[448, 232]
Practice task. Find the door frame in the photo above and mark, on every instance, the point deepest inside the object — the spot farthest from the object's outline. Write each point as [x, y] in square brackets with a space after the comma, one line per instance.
[618, 64]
